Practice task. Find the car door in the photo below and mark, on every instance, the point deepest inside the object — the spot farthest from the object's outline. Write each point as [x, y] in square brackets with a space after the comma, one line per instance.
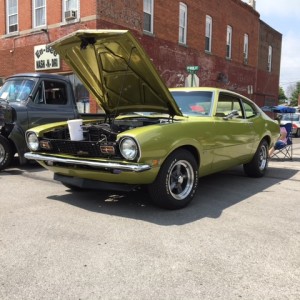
[51, 102]
[234, 132]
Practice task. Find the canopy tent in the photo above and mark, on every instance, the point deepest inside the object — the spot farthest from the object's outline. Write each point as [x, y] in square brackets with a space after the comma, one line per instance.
[281, 109]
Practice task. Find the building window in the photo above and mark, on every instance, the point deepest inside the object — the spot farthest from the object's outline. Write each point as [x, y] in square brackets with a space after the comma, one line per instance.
[270, 52]
[148, 15]
[229, 42]
[12, 15]
[208, 33]
[182, 23]
[246, 53]
[39, 13]
[71, 10]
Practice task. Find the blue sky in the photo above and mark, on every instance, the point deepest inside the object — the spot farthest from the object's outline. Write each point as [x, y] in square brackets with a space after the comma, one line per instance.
[284, 16]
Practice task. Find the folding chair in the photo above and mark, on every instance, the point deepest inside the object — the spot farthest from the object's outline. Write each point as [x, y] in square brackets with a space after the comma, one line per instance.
[287, 151]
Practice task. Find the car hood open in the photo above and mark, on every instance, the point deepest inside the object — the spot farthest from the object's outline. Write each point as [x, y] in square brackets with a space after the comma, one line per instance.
[116, 70]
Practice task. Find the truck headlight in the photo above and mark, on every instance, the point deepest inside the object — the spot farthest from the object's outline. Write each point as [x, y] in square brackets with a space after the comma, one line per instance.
[32, 141]
[129, 148]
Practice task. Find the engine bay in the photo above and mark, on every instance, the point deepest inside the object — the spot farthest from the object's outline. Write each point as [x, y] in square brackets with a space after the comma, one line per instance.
[103, 131]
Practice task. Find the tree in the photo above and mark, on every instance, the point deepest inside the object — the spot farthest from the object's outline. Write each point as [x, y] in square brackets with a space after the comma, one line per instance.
[281, 96]
[295, 95]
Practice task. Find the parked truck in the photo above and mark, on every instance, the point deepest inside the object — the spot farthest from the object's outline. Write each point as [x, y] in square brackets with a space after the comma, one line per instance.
[28, 100]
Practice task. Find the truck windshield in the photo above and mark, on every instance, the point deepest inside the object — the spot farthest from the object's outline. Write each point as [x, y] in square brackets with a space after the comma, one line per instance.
[16, 90]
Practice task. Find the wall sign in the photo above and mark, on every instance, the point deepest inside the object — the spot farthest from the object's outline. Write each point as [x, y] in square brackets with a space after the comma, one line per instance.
[45, 58]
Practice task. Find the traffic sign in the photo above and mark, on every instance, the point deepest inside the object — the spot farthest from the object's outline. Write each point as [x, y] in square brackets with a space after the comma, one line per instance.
[192, 69]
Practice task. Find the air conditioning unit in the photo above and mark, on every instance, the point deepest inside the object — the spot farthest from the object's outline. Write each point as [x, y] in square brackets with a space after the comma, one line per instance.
[70, 14]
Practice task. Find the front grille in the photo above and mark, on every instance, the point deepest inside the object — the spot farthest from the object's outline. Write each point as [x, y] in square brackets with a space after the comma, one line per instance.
[79, 148]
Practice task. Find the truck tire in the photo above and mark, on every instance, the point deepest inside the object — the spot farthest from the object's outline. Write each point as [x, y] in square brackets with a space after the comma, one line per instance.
[177, 181]
[6, 153]
[258, 165]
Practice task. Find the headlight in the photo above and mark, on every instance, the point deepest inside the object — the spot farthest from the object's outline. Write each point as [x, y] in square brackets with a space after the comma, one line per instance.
[129, 148]
[32, 141]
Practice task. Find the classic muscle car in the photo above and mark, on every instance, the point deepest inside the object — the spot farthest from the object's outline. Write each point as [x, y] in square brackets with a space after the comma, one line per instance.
[152, 136]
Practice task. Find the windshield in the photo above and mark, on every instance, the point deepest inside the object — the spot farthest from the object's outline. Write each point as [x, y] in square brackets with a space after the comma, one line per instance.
[194, 103]
[16, 90]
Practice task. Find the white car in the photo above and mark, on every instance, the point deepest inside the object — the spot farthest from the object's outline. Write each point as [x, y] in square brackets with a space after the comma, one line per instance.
[293, 118]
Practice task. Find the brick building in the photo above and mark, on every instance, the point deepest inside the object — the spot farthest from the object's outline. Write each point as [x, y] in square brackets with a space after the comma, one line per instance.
[224, 40]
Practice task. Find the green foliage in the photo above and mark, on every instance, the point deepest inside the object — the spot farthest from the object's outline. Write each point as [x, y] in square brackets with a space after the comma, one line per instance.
[281, 96]
[295, 95]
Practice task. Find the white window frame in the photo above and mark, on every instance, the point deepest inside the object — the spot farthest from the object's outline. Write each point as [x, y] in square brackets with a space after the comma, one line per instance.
[10, 14]
[67, 7]
[246, 48]
[208, 33]
[182, 23]
[148, 11]
[35, 10]
[229, 42]
[270, 54]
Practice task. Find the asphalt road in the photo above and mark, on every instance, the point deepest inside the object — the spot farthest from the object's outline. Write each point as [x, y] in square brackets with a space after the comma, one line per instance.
[239, 239]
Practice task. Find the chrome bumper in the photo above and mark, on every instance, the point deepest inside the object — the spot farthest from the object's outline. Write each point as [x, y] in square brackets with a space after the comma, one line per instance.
[95, 164]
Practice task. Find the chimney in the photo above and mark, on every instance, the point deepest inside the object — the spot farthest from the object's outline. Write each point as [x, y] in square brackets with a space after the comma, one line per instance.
[252, 3]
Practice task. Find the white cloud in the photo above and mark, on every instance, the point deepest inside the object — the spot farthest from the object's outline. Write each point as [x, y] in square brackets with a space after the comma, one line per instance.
[290, 58]
[278, 8]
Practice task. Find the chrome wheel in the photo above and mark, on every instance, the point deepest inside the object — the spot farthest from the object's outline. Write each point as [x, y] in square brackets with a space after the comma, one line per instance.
[181, 180]
[177, 181]
[263, 158]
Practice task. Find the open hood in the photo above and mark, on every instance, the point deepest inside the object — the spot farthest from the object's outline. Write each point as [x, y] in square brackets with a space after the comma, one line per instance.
[116, 70]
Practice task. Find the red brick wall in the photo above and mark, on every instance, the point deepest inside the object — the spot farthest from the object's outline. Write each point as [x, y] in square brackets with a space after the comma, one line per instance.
[170, 58]
[268, 82]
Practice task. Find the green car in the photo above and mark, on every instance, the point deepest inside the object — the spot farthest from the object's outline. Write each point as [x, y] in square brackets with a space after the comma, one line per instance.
[152, 136]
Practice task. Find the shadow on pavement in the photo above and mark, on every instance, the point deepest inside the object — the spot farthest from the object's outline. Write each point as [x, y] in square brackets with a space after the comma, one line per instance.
[215, 194]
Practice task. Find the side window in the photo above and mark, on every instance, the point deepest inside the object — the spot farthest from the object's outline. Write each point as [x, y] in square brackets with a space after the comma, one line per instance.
[228, 103]
[148, 15]
[70, 10]
[246, 48]
[12, 17]
[182, 23]
[52, 93]
[228, 42]
[250, 110]
[39, 97]
[270, 52]
[208, 33]
[39, 13]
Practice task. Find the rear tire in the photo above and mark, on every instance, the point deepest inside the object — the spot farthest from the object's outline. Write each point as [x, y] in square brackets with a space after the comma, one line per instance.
[177, 181]
[257, 167]
[6, 153]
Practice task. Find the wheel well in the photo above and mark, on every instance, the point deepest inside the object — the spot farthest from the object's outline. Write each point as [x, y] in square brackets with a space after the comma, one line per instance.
[12, 144]
[193, 151]
[267, 139]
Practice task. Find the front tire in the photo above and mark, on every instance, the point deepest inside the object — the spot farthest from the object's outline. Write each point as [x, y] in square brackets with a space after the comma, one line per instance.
[177, 181]
[6, 153]
[257, 167]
